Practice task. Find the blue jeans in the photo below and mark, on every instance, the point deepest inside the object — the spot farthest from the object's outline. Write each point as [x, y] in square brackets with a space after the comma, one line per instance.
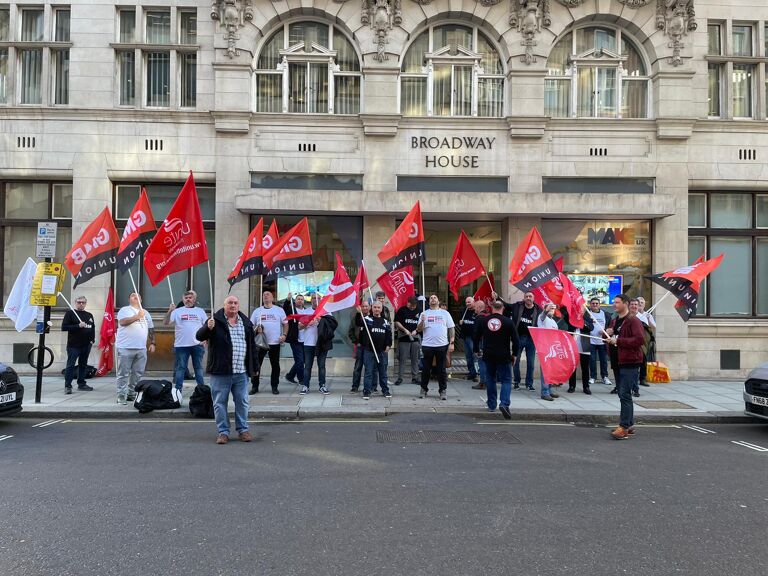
[628, 378]
[481, 368]
[358, 370]
[182, 354]
[79, 355]
[545, 388]
[374, 369]
[470, 356]
[297, 370]
[595, 351]
[501, 372]
[310, 354]
[221, 386]
[526, 344]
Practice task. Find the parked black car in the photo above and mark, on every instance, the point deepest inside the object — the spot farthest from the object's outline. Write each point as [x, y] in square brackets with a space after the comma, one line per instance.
[11, 391]
[756, 392]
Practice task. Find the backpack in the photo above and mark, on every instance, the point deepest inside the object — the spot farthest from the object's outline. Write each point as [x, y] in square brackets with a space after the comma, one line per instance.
[90, 372]
[156, 395]
[325, 331]
[201, 402]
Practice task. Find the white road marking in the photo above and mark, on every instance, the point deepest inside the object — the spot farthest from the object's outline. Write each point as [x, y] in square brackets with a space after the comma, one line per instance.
[47, 423]
[698, 429]
[6, 437]
[209, 422]
[524, 423]
[754, 447]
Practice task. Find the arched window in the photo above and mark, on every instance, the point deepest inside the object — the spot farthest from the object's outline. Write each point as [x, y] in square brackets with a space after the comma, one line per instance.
[596, 72]
[452, 70]
[308, 68]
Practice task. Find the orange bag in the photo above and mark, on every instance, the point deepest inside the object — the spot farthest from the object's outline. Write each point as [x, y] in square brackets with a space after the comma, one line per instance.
[658, 373]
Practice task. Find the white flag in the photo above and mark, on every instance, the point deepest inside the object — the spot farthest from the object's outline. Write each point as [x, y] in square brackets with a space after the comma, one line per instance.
[17, 307]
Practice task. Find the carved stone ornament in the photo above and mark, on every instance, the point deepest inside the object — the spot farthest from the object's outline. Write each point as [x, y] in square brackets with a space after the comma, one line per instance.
[232, 15]
[381, 15]
[571, 3]
[424, 2]
[675, 18]
[529, 17]
[488, 2]
[634, 3]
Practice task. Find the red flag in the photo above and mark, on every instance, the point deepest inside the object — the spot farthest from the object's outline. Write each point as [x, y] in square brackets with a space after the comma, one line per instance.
[361, 280]
[485, 292]
[550, 292]
[137, 234]
[180, 243]
[250, 261]
[107, 337]
[531, 265]
[397, 285]
[685, 283]
[271, 236]
[290, 254]
[406, 245]
[341, 295]
[465, 266]
[573, 301]
[96, 251]
[557, 353]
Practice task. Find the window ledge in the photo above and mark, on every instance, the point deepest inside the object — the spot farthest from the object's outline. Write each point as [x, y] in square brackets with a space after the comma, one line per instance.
[31, 45]
[718, 59]
[158, 47]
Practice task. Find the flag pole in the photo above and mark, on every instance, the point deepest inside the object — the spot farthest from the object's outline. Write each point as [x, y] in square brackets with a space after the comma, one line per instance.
[210, 284]
[261, 290]
[582, 335]
[136, 290]
[70, 307]
[170, 289]
[370, 338]
[594, 319]
[652, 308]
[489, 282]
[370, 294]
[423, 289]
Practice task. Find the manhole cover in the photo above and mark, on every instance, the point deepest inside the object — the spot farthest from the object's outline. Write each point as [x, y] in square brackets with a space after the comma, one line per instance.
[440, 437]
[664, 405]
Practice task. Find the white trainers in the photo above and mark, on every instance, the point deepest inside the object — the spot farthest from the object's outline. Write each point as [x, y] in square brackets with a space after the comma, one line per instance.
[591, 381]
[607, 381]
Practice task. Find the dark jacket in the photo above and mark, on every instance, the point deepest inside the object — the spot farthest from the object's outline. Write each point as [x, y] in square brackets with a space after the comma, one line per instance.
[631, 338]
[514, 311]
[380, 332]
[326, 328]
[220, 345]
[78, 337]
[355, 328]
[467, 327]
[495, 334]
[292, 337]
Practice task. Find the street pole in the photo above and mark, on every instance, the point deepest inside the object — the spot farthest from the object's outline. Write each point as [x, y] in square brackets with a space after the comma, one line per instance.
[41, 352]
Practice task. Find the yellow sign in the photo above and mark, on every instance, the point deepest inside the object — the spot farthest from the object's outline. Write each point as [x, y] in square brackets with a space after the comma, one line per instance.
[48, 282]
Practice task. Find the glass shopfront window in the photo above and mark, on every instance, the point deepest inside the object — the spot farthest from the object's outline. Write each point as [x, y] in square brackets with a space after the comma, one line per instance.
[329, 234]
[599, 249]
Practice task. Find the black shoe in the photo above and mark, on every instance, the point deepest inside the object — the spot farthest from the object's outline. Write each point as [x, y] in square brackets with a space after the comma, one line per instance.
[254, 390]
[275, 391]
[415, 381]
[291, 380]
[516, 386]
[398, 381]
[571, 389]
[67, 389]
[587, 391]
[354, 390]
[615, 391]
[644, 383]
[505, 412]
[636, 393]
[375, 389]
[472, 378]
[530, 388]
[84, 387]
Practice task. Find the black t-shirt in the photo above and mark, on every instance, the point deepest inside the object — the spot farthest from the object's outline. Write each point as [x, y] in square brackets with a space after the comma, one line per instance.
[613, 351]
[78, 337]
[468, 324]
[496, 334]
[408, 318]
[527, 320]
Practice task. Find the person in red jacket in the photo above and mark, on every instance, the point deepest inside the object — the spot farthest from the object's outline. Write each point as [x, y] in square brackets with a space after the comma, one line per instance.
[627, 335]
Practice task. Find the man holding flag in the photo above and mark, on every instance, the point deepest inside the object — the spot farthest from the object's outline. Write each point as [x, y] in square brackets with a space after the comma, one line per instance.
[81, 334]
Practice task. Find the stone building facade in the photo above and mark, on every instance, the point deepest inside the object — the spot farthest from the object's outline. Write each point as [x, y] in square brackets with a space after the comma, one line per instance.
[631, 132]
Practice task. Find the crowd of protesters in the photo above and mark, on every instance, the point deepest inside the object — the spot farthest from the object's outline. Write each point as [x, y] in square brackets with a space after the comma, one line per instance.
[494, 337]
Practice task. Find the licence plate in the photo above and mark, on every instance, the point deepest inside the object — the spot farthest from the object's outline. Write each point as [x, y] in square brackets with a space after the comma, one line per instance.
[10, 397]
[758, 400]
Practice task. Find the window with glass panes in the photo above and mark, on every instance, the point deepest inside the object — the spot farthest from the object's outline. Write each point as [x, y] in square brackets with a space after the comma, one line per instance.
[714, 69]
[597, 72]
[158, 45]
[22, 205]
[452, 70]
[733, 223]
[161, 198]
[41, 57]
[308, 67]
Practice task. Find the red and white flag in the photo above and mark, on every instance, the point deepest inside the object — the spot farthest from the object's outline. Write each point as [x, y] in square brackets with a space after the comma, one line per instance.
[137, 234]
[180, 242]
[532, 264]
[250, 263]
[270, 237]
[107, 337]
[341, 294]
[557, 353]
[290, 254]
[96, 251]
[397, 285]
[465, 266]
[406, 245]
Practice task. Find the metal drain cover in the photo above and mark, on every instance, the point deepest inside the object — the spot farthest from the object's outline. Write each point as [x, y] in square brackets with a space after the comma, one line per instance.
[664, 405]
[442, 437]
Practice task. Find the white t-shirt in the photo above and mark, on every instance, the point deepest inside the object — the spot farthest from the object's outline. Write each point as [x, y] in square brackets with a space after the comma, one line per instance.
[307, 335]
[436, 324]
[134, 335]
[187, 321]
[647, 319]
[272, 319]
[598, 318]
[546, 322]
